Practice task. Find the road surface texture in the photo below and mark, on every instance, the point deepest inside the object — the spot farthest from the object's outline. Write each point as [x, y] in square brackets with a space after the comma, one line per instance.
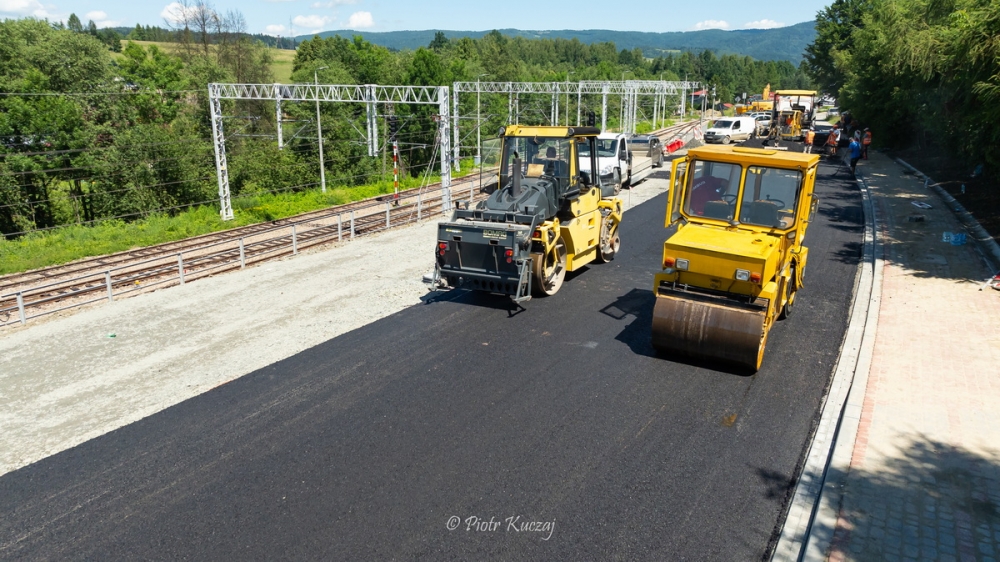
[551, 433]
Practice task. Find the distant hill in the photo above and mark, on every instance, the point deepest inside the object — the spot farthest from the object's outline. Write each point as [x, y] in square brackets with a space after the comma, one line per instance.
[783, 43]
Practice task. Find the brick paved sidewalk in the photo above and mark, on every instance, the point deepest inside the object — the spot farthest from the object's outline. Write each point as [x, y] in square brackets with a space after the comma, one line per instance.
[924, 479]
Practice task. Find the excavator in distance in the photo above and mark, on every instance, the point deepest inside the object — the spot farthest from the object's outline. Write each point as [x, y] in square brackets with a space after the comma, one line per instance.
[736, 260]
[546, 217]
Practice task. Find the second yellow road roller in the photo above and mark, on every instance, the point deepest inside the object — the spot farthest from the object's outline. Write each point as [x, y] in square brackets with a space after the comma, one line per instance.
[736, 260]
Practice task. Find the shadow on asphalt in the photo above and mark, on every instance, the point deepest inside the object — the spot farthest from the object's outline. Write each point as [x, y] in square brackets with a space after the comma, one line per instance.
[474, 298]
[638, 334]
[930, 492]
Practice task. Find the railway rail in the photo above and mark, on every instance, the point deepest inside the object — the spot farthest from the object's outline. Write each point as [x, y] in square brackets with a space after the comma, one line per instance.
[40, 292]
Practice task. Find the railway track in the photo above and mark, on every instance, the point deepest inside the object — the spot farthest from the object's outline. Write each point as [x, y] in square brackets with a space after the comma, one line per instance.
[48, 290]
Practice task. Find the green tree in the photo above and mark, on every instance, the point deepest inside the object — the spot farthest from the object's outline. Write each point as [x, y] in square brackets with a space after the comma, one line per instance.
[73, 24]
[440, 42]
[827, 57]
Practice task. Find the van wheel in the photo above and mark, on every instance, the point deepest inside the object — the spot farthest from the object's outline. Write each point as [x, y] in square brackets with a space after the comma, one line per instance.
[726, 140]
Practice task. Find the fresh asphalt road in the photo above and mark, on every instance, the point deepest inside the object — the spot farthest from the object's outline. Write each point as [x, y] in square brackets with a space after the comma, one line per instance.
[366, 446]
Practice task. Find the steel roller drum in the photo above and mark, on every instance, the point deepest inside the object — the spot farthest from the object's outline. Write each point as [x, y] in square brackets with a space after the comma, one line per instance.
[709, 330]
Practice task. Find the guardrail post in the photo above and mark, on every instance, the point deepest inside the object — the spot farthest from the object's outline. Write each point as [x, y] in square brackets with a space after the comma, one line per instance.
[20, 308]
[340, 229]
[180, 267]
[387, 214]
[295, 242]
[243, 255]
[107, 281]
[352, 225]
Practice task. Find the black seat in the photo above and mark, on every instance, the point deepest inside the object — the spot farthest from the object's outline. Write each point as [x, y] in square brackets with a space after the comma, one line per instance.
[717, 210]
[763, 213]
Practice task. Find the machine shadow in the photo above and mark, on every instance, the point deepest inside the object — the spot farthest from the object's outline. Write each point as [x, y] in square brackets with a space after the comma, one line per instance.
[637, 335]
[474, 298]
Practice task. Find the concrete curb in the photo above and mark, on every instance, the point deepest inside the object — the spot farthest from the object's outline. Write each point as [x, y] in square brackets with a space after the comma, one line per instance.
[812, 513]
[987, 245]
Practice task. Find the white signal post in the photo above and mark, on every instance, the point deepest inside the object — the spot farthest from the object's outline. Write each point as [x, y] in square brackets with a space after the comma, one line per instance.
[393, 132]
[319, 133]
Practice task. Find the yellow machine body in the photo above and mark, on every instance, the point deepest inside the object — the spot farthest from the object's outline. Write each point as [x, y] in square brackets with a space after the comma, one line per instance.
[736, 259]
[581, 233]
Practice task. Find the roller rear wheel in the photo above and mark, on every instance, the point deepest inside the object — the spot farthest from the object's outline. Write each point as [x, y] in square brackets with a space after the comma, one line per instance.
[790, 291]
[610, 242]
[549, 271]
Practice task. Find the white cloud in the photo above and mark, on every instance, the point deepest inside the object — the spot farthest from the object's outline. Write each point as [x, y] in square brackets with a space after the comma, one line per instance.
[313, 22]
[711, 24]
[175, 13]
[762, 24]
[100, 19]
[276, 29]
[332, 3]
[360, 20]
[24, 8]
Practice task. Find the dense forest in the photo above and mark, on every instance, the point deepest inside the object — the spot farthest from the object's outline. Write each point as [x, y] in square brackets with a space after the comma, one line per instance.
[782, 43]
[916, 71]
[92, 134]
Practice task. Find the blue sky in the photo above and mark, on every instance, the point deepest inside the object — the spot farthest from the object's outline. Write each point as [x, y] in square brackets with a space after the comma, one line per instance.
[299, 17]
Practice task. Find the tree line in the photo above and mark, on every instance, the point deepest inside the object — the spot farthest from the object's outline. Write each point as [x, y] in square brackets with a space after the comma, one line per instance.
[923, 72]
[90, 134]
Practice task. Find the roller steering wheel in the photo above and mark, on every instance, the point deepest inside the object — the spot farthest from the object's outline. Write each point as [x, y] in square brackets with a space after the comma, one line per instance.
[729, 198]
[781, 204]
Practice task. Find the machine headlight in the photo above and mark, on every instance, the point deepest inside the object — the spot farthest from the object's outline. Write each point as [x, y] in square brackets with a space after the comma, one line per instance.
[742, 275]
[682, 264]
[607, 170]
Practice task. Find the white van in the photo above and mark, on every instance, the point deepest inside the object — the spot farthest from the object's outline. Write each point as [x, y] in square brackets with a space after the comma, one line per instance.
[730, 129]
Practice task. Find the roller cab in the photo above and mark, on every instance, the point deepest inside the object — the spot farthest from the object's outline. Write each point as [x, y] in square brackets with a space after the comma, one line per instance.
[736, 259]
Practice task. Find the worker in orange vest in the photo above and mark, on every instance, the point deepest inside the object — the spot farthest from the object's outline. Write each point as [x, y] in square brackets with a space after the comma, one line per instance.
[866, 140]
[833, 140]
[810, 136]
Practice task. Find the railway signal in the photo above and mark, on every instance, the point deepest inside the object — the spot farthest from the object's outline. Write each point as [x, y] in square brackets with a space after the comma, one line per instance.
[393, 133]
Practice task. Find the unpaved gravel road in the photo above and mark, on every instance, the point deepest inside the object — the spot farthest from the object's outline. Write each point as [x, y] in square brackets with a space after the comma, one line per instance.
[68, 380]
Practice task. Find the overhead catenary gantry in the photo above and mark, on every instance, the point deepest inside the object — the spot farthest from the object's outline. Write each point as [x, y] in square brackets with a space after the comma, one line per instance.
[369, 94]
[629, 90]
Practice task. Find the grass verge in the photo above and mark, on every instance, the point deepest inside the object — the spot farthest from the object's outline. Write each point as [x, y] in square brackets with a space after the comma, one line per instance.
[70, 243]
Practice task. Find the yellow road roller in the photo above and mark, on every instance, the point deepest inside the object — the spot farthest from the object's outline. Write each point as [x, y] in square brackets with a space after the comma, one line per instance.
[736, 260]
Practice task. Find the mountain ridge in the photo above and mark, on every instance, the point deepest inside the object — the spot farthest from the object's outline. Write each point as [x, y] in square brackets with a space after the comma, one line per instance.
[781, 43]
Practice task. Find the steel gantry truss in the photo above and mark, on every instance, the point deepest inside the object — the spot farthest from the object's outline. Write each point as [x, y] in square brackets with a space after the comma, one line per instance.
[369, 94]
[630, 90]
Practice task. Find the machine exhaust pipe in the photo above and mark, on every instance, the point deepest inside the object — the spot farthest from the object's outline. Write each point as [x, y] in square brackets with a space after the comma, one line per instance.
[515, 190]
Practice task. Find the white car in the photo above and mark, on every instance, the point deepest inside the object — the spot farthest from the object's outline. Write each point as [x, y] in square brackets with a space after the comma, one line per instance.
[729, 129]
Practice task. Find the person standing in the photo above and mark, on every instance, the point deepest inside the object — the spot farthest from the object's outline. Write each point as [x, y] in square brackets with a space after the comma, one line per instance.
[833, 140]
[855, 147]
[866, 141]
[810, 137]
